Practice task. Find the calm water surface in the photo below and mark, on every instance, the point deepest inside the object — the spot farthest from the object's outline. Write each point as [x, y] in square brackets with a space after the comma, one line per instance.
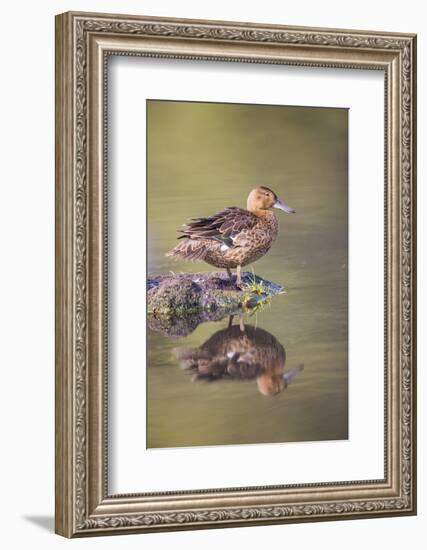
[202, 158]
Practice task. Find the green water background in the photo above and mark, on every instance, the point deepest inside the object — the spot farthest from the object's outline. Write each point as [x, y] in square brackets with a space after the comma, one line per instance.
[203, 157]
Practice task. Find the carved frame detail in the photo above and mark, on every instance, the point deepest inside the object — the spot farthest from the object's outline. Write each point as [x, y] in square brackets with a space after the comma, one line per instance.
[83, 42]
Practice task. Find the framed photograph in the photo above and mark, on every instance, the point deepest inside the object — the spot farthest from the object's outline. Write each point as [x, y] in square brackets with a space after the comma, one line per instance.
[235, 274]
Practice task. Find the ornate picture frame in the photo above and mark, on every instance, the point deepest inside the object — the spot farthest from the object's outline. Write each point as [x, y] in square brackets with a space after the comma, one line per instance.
[84, 42]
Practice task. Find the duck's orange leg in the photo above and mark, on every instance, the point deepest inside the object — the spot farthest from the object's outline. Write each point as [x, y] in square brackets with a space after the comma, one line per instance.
[241, 323]
[239, 276]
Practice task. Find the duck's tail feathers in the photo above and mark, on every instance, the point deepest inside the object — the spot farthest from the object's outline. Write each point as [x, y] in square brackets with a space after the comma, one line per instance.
[189, 250]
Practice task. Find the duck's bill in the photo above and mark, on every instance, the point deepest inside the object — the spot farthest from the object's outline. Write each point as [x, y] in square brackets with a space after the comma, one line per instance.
[290, 375]
[282, 206]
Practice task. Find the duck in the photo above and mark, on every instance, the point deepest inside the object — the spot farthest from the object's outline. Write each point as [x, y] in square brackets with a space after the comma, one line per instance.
[234, 237]
[240, 353]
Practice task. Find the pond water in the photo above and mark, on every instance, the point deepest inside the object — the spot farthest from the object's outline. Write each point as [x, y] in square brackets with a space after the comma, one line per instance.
[202, 158]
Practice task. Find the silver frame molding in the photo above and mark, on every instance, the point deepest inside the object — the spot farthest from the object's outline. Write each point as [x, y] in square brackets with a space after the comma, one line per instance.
[84, 42]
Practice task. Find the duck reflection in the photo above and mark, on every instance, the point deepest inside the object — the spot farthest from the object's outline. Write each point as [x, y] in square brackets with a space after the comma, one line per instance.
[240, 352]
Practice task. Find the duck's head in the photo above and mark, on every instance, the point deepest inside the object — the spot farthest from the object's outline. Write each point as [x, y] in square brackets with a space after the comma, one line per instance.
[262, 199]
[270, 384]
[274, 381]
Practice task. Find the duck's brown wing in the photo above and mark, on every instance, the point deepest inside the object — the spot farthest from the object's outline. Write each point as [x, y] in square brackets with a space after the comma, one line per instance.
[224, 226]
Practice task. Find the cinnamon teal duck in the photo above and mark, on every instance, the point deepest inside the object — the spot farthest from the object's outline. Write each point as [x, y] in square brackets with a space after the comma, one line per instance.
[234, 237]
[240, 353]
